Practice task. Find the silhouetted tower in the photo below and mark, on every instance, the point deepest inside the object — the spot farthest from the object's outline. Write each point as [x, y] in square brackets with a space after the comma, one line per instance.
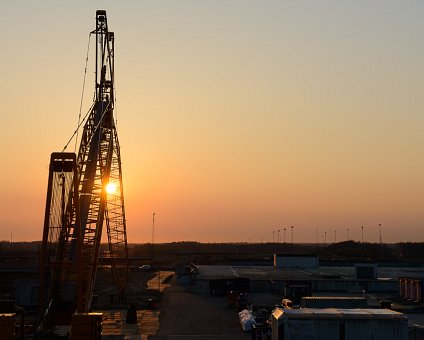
[73, 228]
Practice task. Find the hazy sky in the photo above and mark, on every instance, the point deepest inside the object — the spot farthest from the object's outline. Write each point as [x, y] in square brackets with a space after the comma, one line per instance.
[235, 118]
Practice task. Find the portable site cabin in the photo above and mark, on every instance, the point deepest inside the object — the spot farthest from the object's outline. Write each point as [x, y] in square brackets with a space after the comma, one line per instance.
[335, 324]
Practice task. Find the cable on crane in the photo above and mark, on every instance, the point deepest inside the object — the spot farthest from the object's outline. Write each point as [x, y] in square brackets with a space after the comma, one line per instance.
[79, 125]
[81, 101]
[82, 92]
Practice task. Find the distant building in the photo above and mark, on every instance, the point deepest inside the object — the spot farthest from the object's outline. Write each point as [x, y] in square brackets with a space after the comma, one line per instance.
[366, 271]
[292, 283]
[296, 261]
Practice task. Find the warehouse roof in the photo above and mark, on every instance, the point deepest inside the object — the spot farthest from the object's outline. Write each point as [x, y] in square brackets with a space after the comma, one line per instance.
[210, 272]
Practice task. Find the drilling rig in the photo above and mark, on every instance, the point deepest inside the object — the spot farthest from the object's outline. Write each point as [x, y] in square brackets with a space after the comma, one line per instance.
[78, 204]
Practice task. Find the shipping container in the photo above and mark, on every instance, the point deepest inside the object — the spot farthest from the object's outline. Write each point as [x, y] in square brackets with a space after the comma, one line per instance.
[337, 323]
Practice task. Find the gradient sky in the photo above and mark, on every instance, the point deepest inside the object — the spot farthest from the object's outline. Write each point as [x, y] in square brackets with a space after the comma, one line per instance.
[235, 118]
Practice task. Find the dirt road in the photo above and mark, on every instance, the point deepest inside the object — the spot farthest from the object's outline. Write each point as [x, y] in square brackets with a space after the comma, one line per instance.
[184, 315]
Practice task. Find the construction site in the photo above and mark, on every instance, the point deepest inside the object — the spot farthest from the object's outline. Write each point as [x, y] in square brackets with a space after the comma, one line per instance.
[85, 280]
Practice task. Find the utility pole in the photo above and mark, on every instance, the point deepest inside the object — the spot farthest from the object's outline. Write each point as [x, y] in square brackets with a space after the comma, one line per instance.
[347, 234]
[379, 232]
[325, 238]
[284, 235]
[278, 235]
[362, 233]
[273, 236]
[335, 236]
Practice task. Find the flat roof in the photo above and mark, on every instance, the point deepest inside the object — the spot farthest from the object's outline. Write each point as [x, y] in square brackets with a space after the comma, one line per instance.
[211, 272]
[338, 313]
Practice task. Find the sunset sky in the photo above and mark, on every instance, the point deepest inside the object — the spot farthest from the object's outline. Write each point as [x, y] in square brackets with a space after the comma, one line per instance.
[235, 118]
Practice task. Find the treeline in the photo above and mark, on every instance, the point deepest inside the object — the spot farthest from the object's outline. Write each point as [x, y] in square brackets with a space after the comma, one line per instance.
[19, 247]
[347, 251]
[407, 252]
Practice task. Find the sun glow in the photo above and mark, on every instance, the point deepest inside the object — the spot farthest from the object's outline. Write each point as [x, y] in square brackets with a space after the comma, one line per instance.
[110, 188]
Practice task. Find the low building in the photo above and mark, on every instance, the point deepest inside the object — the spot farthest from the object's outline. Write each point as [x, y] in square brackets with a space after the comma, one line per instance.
[284, 261]
[292, 283]
[336, 324]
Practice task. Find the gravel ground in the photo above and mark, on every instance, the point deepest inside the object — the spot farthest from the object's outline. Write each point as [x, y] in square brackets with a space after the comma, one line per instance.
[184, 315]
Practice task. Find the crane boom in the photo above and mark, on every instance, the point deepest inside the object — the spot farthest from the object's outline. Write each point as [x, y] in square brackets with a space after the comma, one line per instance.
[86, 204]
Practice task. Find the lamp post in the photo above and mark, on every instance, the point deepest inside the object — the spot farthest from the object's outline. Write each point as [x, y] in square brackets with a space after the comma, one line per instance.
[335, 236]
[153, 239]
[278, 235]
[379, 232]
[347, 234]
[362, 234]
[284, 235]
[273, 236]
[292, 227]
[325, 238]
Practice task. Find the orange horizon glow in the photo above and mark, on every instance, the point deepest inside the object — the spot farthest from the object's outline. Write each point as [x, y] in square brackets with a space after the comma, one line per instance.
[234, 119]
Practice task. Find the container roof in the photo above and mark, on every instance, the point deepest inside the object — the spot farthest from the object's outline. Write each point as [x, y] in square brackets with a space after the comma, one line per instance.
[337, 313]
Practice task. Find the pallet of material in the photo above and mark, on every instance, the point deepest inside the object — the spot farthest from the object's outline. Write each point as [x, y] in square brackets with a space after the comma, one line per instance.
[86, 326]
[7, 326]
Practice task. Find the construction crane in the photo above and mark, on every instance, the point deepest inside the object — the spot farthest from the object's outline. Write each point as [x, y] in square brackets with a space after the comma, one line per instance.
[84, 194]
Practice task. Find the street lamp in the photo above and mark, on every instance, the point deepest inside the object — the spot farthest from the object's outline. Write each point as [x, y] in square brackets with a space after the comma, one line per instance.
[347, 234]
[316, 236]
[284, 235]
[153, 239]
[335, 236]
[273, 236]
[292, 234]
[278, 235]
[362, 234]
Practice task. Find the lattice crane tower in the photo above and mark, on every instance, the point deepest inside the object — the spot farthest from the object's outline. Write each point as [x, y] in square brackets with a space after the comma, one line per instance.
[78, 205]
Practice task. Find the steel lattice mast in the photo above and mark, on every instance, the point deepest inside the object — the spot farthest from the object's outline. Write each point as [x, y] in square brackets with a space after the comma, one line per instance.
[99, 163]
[78, 205]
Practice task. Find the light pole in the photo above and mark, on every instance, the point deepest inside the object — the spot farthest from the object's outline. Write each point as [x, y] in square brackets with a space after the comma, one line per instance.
[325, 238]
[153, 239]
[278, 235]
[335, 236]
[153, 252]
[362, 234]
[284, 235]
[292, 227]
[273, 236]
[316, 236]
[347, 234]
[379, 232]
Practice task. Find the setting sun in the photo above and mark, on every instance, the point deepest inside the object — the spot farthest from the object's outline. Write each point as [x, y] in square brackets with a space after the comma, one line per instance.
[110, 188]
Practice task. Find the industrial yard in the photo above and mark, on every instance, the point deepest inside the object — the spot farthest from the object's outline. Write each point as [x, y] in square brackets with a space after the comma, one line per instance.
[272, 139]
[194, 300]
